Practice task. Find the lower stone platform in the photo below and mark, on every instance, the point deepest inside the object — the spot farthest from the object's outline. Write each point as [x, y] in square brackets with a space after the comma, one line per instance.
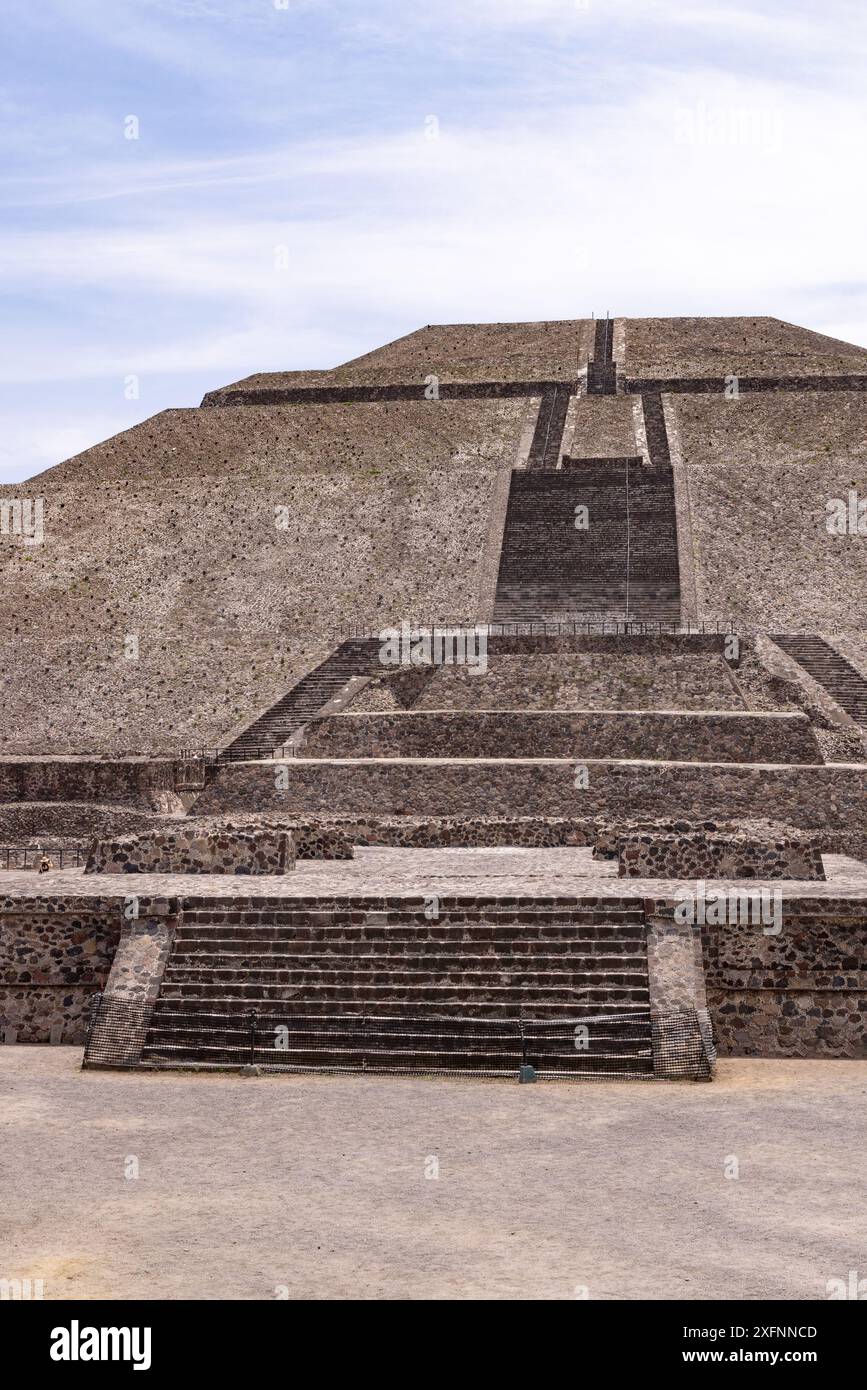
[396, 872]
[824, 797]
[790, 980]
[737, 736]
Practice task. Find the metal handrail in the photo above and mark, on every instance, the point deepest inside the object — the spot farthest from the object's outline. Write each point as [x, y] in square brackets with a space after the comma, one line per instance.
[575, 627]
[61, 857]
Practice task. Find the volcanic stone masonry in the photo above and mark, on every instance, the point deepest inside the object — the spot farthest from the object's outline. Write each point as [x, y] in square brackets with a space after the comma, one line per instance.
[227, 849]
[631, 515]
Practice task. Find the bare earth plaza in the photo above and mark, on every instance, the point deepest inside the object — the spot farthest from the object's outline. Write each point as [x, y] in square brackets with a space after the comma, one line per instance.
[435, 816]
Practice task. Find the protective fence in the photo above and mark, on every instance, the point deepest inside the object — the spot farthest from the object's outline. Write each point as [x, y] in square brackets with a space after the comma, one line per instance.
[632, 1045]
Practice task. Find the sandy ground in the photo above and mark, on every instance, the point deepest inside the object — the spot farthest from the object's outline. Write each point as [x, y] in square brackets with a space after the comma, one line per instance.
[252, 1187]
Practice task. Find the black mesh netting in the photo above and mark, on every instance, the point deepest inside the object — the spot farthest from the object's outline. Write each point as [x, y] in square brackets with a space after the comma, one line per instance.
[636, 1044]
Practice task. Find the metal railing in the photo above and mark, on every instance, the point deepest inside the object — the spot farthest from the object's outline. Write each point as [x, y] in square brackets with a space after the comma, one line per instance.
[209, 756]
[26, 857]
[573, 627]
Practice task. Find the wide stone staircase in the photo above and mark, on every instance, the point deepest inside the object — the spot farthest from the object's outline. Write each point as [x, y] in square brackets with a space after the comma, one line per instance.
[831, 670]
[355, 657]
[491, 984]
[625, 563]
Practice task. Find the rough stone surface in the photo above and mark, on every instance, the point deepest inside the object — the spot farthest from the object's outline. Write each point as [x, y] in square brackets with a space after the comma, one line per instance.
[657, 678]
[670, 736]
[600, 427]
[768, 559]
[72, 822]
[799, 992]
[705, 854]
[385, 512]
[715, 347]
[226, 849]
[544, 351]
[136, 782]
[822, 797]
[52, 961]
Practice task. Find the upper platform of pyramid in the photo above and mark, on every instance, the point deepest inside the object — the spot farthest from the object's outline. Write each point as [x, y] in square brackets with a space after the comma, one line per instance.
[559, 349]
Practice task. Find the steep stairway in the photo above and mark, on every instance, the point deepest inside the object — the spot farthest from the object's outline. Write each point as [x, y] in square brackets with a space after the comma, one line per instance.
[550, 424]
[353, 658]
[550, 570]
[601, 369]
[655, 429]
[359, 986]
[832, 671]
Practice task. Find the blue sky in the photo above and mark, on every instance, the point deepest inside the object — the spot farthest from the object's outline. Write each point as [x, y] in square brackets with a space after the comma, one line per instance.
[311, 179]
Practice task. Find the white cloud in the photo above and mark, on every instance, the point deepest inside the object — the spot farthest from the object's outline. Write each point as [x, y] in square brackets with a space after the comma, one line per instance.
[668, 193]
[679, 187]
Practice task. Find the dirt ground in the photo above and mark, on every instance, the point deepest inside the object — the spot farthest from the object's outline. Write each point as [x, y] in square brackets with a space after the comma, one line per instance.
[363, 1187]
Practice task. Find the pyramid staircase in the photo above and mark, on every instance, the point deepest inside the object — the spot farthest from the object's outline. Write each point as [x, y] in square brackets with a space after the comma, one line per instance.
[602, 369]
[831, 670]
[655, 430]
[372, 985]
[552, 571]
[357, 657]
[550, 424]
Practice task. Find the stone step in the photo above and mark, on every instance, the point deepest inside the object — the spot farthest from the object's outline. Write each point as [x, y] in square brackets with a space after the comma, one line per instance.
[410, 1061]
[481, 1009]
[832, 671]
[547, 440]
[508, 916]
[438, 996]
[376, 974]
[411, 914]
[186, 1030]
[305, 699]
[424, 956]
[407, 936]
[469, 995]
[610, 1026]
[550, 571]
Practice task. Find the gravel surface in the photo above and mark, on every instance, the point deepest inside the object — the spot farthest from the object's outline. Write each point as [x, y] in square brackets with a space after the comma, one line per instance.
[251, 1186]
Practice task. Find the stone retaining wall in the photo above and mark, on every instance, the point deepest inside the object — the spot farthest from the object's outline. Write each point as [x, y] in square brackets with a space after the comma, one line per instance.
[136, 782]
[475, 832]
[569, 680]
[830, 797]
[194, 850]
[123, 1012]
[75, 822]
[799, 993]
[668, 736]
[51, 963]
[706, 854]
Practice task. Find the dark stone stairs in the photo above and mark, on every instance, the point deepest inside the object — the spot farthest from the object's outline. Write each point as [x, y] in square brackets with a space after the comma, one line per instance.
[602, 369]
[831, 670]
[550, 424]
[357, 657]
[552, 571]
[342, 986]
[655, 429]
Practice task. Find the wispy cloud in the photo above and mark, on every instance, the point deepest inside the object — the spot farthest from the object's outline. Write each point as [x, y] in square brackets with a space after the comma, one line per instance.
[636, 163]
